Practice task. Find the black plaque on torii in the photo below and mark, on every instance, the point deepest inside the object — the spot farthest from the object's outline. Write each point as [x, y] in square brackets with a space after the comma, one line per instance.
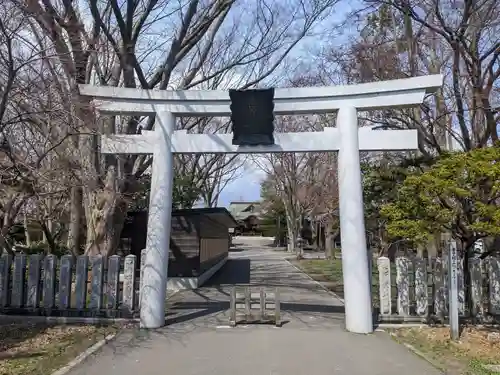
[252, 117]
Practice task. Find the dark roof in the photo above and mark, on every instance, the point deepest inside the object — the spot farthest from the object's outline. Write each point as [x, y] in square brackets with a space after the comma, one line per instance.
[219, 214]
[245, 202]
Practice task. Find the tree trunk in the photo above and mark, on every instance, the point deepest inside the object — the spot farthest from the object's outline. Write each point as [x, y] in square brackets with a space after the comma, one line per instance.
[329, 248]
[75, 223]
[100, 212]
[291, 236]
[291, 225]
[4, 243]
[332, 234]
[26, 230]
[104, 229]
[384, 245]
[49, 239]
[105, 213]
[292, 230]
[467, 252]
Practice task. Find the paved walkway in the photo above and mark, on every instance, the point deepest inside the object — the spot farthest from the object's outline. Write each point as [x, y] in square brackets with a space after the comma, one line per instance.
[196, 341]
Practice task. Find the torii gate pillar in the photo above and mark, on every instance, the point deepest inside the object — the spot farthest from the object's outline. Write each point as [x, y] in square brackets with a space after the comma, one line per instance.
[154, 283]
[357, 288]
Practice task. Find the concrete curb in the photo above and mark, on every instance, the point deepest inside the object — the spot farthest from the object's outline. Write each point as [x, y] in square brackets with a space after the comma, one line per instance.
[315, 282]
[83, 356]
[384, 326]
[65, 320]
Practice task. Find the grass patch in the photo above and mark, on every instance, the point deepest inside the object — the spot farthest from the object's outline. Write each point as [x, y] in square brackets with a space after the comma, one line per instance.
[40, 349]
[329, 273]
[467, 356]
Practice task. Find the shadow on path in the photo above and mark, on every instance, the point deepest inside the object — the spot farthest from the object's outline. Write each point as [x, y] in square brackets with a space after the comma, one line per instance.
[183, 311]
[299, 295]
[235, 271]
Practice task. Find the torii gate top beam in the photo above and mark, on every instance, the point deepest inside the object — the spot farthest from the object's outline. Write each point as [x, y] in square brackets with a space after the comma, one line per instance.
[301, 100]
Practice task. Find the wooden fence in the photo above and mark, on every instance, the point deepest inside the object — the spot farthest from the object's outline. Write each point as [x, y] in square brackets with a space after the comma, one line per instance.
[417, 289]
[69, 286]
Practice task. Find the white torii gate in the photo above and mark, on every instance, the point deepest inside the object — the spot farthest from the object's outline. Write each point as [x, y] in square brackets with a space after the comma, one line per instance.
[346, 138]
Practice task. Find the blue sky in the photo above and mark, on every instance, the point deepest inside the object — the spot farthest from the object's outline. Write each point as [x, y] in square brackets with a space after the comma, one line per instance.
[247, 186]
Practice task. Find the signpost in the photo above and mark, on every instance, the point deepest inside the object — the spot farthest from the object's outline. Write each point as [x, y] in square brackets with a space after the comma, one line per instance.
[453, 290]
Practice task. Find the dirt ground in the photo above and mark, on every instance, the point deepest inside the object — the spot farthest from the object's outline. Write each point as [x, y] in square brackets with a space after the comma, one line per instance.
[477, 348]
[36, 349]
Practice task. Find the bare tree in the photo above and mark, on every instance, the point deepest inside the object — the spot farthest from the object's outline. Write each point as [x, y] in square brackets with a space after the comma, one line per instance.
[433, 36]
[306, 184]
[152, 45]
[400, 39]
[25, 143]
[302, 180]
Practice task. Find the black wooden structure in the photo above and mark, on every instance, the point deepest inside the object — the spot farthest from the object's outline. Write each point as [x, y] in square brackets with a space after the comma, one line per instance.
[199, 239]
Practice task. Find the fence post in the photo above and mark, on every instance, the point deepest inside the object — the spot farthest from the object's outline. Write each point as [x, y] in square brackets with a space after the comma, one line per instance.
[113, 282]
[129, 282]
[494, 278]
[82, 274]
[65, 279]
[97, 263]
[5, 264]
[453, 290]
[421, 293]
[403, 285]
[18, 276]
[34, 275]
[439, 289]
[384, 276]
[476, 281]
[49, 281]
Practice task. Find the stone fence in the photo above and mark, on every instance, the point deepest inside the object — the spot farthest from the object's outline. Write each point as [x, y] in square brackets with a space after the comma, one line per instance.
[69, 286]
[417, 289]
[98, 287]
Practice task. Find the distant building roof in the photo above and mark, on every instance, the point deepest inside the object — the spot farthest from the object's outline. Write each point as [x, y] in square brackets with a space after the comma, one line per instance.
[243, 210]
